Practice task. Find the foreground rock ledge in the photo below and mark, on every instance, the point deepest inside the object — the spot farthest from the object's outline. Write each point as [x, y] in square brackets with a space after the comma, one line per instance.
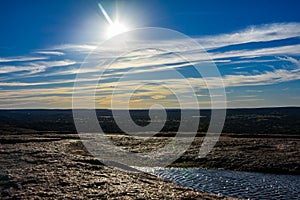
[33, 167]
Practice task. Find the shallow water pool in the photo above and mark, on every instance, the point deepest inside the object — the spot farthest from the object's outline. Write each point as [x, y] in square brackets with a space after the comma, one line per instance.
[248, 185]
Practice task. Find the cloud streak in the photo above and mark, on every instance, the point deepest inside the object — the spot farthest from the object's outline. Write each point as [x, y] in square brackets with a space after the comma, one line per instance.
[21, 59]
[262, 33]
[50, 53]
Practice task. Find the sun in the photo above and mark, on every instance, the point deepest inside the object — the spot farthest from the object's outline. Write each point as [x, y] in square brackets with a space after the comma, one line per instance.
[116, 28]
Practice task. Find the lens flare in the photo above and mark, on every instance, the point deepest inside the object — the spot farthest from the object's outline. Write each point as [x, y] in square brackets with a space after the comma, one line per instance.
[114, 28]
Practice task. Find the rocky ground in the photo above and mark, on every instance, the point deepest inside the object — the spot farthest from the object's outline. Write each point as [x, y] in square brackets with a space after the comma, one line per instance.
[55, 166]
[48, 165]
[278, 154]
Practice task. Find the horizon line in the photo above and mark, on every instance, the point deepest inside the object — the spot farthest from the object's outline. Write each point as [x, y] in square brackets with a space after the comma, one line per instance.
[140, 109]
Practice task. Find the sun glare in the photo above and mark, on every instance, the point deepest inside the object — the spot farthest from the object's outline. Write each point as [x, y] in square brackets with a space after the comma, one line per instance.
[115, 29]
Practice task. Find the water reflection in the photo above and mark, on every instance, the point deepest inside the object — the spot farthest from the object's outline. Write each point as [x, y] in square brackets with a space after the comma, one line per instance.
[233, 183]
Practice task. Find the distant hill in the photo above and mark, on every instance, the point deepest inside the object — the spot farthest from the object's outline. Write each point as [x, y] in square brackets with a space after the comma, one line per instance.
[282, 120]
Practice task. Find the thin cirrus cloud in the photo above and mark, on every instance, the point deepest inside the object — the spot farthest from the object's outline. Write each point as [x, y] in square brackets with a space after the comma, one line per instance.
[275, 51]
[254, 34]
[262, 33]
[34, 67]
[84, 48]
[59, 61]
[51, 53]
[21, 59]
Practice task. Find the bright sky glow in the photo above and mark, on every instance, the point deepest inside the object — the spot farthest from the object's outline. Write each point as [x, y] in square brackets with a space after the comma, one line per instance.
[116, 29]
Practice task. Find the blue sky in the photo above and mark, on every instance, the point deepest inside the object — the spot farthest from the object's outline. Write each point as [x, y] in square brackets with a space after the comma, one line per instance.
[254, 44]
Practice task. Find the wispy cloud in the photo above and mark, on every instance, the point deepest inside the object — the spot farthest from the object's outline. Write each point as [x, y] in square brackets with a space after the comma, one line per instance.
[75, 47]
[246, 100]
[51, 53]
[34, 67]
[21, 59]
[274, 51]
[254, 91]
[31, 69]
[262, 33]
[57, 63]
[266, 78]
